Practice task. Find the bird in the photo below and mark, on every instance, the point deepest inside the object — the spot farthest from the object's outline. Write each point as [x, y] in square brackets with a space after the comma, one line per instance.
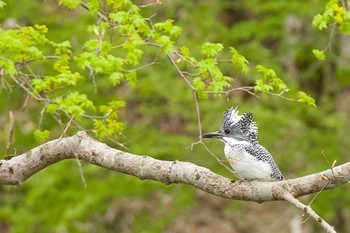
[250, 160]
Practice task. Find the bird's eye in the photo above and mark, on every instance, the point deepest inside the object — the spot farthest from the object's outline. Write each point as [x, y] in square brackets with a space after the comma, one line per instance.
[227, 131]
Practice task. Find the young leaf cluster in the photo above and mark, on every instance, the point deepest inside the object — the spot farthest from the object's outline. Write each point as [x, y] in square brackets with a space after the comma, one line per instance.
[206, 74]
[335, 16]
[270, 82]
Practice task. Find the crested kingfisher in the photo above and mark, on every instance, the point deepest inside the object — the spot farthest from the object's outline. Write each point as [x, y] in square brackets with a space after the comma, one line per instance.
[248, 158]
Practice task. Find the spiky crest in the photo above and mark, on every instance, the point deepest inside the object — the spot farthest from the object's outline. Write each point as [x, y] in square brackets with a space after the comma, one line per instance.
[231, 117]
[243, 125]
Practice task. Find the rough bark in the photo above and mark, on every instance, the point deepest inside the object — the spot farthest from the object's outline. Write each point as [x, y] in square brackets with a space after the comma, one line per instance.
[18, 169]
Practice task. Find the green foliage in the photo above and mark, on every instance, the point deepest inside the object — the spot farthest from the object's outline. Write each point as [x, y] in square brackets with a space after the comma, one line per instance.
[270, 82]
[200, 87]
[333, 15]
[303, 97]
[321, 21]
[318, 54]
[2, 4]
[41, 136]
[24, 43]
[165, 43]
[110, 110]
[94, 5]
[209, 70]
[239, 60]
[8, 67]
[71, 4]
[211, 49]
[168, 28]
[115, 78]
[186, 53]
[74, 104]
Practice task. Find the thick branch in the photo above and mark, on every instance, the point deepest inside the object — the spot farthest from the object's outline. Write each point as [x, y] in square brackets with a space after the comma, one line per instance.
[20, 168]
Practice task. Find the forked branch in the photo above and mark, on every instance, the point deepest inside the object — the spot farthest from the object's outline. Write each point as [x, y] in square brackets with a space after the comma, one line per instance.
[18, 169]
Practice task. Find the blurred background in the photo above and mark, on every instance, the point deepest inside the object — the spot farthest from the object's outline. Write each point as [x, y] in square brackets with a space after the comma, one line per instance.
[161, 122]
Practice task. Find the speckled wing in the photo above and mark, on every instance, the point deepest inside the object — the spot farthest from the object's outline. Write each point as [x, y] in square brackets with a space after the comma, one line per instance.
[262, 154]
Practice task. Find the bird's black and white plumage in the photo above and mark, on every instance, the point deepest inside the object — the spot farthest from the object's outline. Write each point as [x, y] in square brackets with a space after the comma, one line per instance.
[248, 158]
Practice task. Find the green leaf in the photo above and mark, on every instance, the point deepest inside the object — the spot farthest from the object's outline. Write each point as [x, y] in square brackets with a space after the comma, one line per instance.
[115, 78]
[92, 45]
[175, 31]
[133, 56]
[119, 17]
[71, 4]
[110, 125]
[107, 128]
[185, 51]
[2, 4]
[63, 47]
[41, 136]
[51, 108]
[34, 53]
[168, 28]
[318, 54]
[320, 22]
[75, 104]
[112, 105]
[47, 84]
[345, 25]
[166, 43]
[200, 86]
[94, 5]
[211, 49]
[131, 77]
[260, 85]
[268, 73]
[304, 98]
[270, 82]
[239, 60]
[206, 65]
[8, 66]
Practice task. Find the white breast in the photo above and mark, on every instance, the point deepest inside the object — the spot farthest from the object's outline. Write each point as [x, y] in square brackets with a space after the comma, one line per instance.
[245, 165]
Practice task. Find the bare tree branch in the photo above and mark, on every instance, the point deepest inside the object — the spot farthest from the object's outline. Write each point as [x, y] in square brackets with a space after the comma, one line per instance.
[307, 209]
[18, 169]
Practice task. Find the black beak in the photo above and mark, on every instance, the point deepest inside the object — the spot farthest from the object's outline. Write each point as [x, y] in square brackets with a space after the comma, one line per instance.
[216, 134]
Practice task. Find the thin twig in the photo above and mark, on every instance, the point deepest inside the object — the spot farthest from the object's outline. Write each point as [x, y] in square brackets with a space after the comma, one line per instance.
[42, 114]
[307, 209]
[144, 66]
[80, 167]
[11, 127]
[99, 14]
[184, 59]
[67, 126]
[180, 73]
[219, 160]
[318, 193]
[122, 145]
[331, 166]
[25, 103]
[195, 97]
[329, 45]
[158, 2]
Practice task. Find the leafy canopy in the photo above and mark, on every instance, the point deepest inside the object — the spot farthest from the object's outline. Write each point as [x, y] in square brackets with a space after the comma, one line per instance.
[104, 62]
